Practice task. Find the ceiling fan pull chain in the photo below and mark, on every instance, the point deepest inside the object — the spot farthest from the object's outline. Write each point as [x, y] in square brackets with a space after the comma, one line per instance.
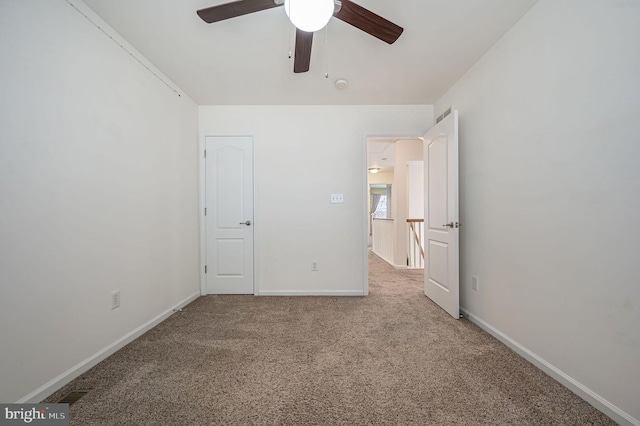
[326, 49]
[290, 36]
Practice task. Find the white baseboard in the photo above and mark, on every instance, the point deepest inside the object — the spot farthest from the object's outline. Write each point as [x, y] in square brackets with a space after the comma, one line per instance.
[399, 266]
[312, 293]
[390, 262]
[48, 388]
[573, 385]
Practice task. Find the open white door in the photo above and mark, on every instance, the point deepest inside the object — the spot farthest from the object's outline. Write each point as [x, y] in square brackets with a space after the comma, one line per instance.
[442, 228]
[229, 214]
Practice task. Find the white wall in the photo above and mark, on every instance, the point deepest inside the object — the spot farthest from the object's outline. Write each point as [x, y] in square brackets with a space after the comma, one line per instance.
[98, 192]
[406, 150]
[550, 192]
[380, 178]
[303, 154]
[382, 238]
[415, 184]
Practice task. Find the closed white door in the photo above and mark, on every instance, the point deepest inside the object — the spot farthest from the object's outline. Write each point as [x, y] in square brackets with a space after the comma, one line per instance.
[442, 228]
[229, 214]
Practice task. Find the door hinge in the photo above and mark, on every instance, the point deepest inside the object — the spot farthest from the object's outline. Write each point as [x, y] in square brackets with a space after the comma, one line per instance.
[205, 269]
[205, 153]
[205, 211]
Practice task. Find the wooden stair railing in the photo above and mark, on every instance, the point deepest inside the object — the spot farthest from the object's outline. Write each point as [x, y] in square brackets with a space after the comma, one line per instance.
[415, 233]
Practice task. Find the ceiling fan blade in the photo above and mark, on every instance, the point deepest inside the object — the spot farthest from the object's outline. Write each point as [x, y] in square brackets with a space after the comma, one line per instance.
[233, 9]
[303, 51]
[369, 22]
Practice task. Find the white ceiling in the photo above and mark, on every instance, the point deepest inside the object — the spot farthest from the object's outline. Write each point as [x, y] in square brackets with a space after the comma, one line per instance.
[245, 60]
[381, 152]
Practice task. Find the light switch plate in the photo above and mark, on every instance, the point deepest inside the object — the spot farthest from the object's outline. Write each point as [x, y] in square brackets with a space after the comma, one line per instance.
[337, 198]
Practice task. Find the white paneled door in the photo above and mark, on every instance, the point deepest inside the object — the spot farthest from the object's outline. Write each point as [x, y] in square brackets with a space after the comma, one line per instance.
[229, 214]
[442, 227]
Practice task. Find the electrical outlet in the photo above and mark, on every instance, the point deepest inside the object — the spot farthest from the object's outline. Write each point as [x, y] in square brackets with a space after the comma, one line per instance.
[314, 265]
[474, 283]
[115, 299]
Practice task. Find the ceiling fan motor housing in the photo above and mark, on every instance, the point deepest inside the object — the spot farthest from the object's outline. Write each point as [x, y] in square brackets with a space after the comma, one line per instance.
[337, 4]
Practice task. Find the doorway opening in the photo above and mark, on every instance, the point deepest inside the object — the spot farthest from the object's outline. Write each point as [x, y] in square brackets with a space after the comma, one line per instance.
[395, 194]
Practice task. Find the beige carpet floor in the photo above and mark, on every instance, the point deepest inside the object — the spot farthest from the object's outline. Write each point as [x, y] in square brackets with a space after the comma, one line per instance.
[390, 358]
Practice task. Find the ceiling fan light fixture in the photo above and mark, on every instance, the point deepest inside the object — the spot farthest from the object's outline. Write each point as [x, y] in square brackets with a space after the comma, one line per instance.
[309, 15]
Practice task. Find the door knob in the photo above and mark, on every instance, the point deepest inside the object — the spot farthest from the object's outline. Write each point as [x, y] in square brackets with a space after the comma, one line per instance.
[248, 223]
[450, 224]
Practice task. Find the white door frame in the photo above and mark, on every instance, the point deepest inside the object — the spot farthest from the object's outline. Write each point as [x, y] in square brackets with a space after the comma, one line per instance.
[201, 206]
[365, 199]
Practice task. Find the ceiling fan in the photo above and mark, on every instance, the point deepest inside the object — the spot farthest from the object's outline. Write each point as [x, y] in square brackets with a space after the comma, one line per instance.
[345, 10]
